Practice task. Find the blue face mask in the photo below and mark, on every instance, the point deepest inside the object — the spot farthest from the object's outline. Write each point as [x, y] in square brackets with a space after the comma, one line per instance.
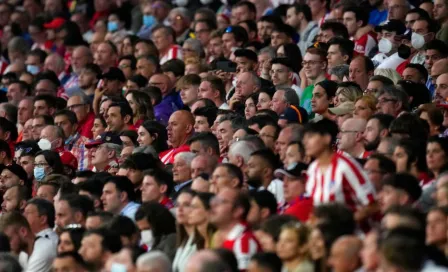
[148, 20]
[32, 69]
[39, 173]
[112, 26]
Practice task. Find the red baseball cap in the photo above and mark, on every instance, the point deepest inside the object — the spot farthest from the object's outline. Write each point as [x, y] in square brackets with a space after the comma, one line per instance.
[55, 23]
[68, 159]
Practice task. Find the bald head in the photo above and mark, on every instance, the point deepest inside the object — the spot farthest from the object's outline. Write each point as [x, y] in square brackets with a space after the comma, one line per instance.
[357, 124]
[344, 254]
[161, 81]
[180, 127]
[197, 262]
[439, 67]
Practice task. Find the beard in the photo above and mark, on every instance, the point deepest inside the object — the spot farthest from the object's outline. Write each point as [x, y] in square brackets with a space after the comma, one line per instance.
[371, 146]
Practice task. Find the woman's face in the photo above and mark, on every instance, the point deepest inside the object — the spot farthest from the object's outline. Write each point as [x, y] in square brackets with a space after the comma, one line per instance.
[435, 157]
[40, 161]
[132, 103]
[192, 68]
[264, 101]
[267, 242]
[250, 109]
[97, 128]
[144, 138]
[183, 208]
[317, 245]
[433, 130]
[362, 110]
[288, 245]
[198, 214]
[401, 159]
[188, 51]
[65, 243]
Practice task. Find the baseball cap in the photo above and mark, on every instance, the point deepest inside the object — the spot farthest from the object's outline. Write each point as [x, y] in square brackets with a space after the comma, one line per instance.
[114, 74]
[69, 159]
[55, 23]
[343, 108]
[296, 170]
[106, 137]
[392, 25]
[17, 170]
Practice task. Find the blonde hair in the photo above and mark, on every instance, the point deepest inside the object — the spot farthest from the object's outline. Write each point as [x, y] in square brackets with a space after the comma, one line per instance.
[351, 91]
[389, 73]
[370, 100]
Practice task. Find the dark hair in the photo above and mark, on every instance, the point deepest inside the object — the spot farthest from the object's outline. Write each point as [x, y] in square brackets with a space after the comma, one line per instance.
[22, 84]
[4, 147]
[268, 260]
[76, 235]
[228, 257]
[239, 33]
[8, 126]
[346, 46]
[268, 156]
[419, 11]
[384, 120]
[123, 226]
[125, 109]
[207, 140]
[205, 199]
[8, 261]
[41, 54]
[101, 118]
[386, 165]
[292, 51]
[176, 66]
[211, 24]
[44, 208]
[160, 218]
[209, 112]
[439, 46]
[156, 129]
[49, 100]
[79, 203]
[410, 125]
[92, 67]
[142, 100]
[71, 116]
[336, 214]
[360, 14]
[416, 151]
[217, 84]
[433, 26]
[338, 29]
[412, 213]
[265, 199]
[140, 80]
[74, 255]
[84, 174]
[123, 184]
[161, 177]
[54, 161]
[131, 58]
[109, 242]
[92, 186]
[234, 172]
[50, 76]
[243, 201]
[131, 134]
[274, 224]
[305, 9]
[4, 243]
[418, 91]
[329, 86]
[420, 68]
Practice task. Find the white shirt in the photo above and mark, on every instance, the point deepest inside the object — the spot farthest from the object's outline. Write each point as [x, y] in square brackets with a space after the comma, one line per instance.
[391, 62]
[183, 254]
[224, 106]
[44, 251]
[276, 188]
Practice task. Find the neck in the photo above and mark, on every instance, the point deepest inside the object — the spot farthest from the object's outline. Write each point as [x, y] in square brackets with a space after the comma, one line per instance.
[202, 229]
[101, 166]
[227, 227]
[90, 90]
[292, 264]
[319, 78]
[163, 52]
[320, 15]
[30, 245]
[325, 158]
[326, 114]
[266, 181]
[357, 150]
[303, 25]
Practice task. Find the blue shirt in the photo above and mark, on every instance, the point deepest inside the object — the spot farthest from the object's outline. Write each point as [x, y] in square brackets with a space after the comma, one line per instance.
[179, 187]
[130, 209]
[430, 87]
[377, 17]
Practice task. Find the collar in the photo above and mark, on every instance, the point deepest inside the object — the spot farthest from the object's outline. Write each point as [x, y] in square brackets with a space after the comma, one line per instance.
[178, 187]
[236, 231]
[44, 232]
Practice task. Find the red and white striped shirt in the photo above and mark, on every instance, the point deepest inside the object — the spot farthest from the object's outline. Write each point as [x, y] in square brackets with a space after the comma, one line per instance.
[175, 52]
[242, 242]
[342, 181]
[365, 44]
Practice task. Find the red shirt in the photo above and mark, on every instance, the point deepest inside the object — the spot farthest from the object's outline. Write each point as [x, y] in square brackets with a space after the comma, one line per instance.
[167, 203]
[167, 157]
[85, 127]
[301, 208]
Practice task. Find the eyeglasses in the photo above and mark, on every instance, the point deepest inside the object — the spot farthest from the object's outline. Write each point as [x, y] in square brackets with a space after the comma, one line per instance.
[42, 164]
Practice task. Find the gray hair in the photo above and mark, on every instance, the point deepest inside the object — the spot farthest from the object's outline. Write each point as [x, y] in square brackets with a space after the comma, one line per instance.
[10, 111]
[86, 50]
[114, 147]
[9, 263]
[83, 96]
[395, 93]
[57, 130]
[154, 260]
[243, 149]
[149, 149]
[255, 79]
[290, 96]
[197, 46]
[268, 50]
[18, 44]
[187, 157]
[59, 61]
[340, 71]
[182, 11]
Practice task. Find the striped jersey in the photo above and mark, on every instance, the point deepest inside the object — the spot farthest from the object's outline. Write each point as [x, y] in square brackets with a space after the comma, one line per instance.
[342, 181]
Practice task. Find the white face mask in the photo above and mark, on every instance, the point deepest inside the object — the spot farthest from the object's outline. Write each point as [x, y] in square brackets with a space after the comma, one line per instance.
[385, 46]
[147, 238]
[44, 144]
[417, 40]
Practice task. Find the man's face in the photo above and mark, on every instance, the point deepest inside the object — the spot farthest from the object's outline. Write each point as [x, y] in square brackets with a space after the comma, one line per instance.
[279, 104]
[104, 56]
[292, 18]
[111, 198]
[64, 214]
[229, 42]
[27, 162]
[15, 94]
[177, 130]
[145, 68]
[16, 239]
[10, 200]
[189, 94]
[267, 134]
[283, 140]
[413, 75]
[125, 67]
[245, 85]
[292, 188]
[63, 122]
[9, 179]
[79, 60]
[215, 48]
[358, 73]
[436, 228]
[222, 207]
[255, 168]
[221, 179]
[313, 143]
[41, 108]
[372, 134]
[202, 32]
[206, 91]
[320, 101]
[265, 30]
[224, 134]
[334, 56]
[25, 111]
[374, 173]
[351, 23]
[181, 170]
[161, 40]
[151, 190]
[91, 249]
[115, 121]
[325, 35]
[66, 264]
[46, 192]
[410, 19]
[387, 105]
[87, 79]
[440, 10]
[442, 86]
[244, 64]
[388, 197]
[279, 38]
[76, 105]
[347, 137]
[431, 56]
[32, 216]
[313, 65]
[201, 124]
[100, 155]
[397, 10]
[280, 75]
[339, 260]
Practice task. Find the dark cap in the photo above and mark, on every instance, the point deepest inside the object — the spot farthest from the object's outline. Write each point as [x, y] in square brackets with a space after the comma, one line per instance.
[247, 54]
[392, 25]
[18, 171]
[405, 182]
[296, 170]
[106, 137]
[114, 74]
